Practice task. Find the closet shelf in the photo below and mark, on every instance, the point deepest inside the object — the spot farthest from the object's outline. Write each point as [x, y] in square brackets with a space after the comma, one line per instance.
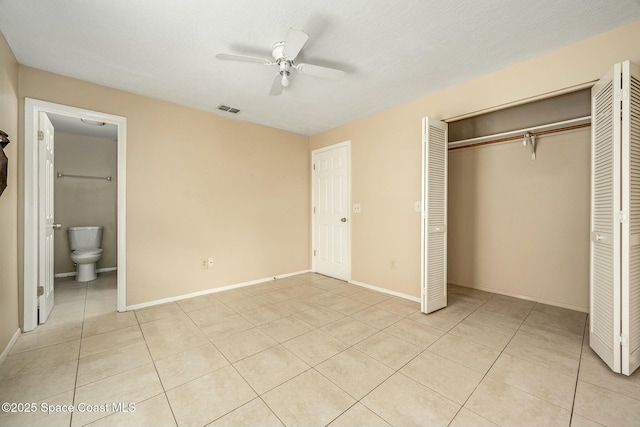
[515, 135]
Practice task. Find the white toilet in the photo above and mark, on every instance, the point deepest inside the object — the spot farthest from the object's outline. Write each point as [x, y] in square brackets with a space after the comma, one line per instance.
[85, 243]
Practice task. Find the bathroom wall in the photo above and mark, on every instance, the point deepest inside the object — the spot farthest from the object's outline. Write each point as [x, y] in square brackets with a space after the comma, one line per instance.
[80, 201]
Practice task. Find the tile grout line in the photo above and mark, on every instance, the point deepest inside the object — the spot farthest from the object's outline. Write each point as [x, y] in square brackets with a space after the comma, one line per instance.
[535, 363]
[75, 384]
[258, 395]
[524, 391]
[350, 346]
[314, 328]
[396, 371]
[164, 391]
[231, 364]
[83, 320]
[575, 390]
[494, 362]
[427, 349]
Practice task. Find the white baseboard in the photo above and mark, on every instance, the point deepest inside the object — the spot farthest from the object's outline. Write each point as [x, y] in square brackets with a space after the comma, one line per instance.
[480, 288]
[385, 291]
[73, 273]
[212, 291]
[9, 346]
[526, 297]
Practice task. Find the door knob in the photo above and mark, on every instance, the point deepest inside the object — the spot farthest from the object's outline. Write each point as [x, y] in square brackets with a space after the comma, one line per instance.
[56, 225]
[343, 219]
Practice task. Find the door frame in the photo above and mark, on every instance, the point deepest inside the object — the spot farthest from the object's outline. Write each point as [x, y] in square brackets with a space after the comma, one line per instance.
[31, 202]
[313, 198]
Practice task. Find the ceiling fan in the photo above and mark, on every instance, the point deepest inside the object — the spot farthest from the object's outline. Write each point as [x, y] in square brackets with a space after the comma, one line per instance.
[284, 54]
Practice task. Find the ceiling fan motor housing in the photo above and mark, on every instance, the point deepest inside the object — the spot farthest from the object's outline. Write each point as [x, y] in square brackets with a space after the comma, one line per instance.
[277, 51]
[283, 62]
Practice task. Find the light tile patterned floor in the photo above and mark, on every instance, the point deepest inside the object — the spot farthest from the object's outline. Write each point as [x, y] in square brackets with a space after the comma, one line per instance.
[312, 351]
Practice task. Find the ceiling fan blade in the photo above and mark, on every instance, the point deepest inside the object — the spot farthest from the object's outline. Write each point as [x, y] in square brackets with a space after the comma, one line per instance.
[241, 58]
[294, 42]
[276, 87]
[318, 71]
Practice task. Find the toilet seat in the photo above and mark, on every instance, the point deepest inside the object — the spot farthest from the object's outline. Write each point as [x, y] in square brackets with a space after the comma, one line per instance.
[86, 256]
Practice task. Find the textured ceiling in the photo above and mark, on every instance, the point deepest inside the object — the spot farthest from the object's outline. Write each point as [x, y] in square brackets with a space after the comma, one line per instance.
[391, 51]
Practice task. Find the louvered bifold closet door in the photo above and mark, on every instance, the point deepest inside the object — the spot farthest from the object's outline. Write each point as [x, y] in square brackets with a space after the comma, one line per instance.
[605, 228]
[434, 215]
[630, 226]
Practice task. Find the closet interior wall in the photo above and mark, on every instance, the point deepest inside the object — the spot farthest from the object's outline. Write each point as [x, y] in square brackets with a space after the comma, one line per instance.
[519, 226]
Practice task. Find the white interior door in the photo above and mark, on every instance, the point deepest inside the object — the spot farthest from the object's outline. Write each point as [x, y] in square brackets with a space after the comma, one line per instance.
[331, 198]
[45, 220]
[604, 317]
[434, 215]
[630, 292]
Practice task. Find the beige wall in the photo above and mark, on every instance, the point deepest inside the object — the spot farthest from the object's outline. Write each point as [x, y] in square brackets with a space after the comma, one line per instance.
[9, 199]
[386, 165]
[202, 185]
[198, 185]
[81, 201]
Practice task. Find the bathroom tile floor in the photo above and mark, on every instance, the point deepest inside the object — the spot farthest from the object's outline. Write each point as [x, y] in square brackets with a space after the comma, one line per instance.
[312, 351]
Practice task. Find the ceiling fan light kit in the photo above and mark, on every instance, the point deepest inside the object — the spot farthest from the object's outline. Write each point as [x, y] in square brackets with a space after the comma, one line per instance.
[284, 54]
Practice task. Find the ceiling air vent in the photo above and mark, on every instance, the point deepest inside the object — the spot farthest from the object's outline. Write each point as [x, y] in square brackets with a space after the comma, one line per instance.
[228, 109]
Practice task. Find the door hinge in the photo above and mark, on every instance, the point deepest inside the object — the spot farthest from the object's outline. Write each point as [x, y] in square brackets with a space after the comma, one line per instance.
[40, 290]
[621, 95]
[40, 135]
[314, 166]
[622, 217]
[624, 94]
[623, 340]
[314, 209]
[314, 252]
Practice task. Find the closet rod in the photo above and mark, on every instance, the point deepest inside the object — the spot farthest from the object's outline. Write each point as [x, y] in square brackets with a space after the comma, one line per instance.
[517, 135]
[66, 175]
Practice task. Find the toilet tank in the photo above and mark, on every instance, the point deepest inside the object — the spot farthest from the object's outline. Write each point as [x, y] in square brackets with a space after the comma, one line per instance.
[85, 237]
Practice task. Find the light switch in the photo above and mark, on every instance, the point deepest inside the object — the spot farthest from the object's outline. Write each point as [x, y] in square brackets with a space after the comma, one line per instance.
[357, 208]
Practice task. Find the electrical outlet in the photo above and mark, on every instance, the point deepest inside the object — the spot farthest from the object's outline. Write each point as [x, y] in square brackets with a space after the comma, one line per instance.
[357, 208]
[203, 263]
[393, 263]
[210, 263]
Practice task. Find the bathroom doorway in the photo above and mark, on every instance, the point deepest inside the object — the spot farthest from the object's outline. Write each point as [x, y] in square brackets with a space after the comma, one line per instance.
[77, 176]
[85, 188]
